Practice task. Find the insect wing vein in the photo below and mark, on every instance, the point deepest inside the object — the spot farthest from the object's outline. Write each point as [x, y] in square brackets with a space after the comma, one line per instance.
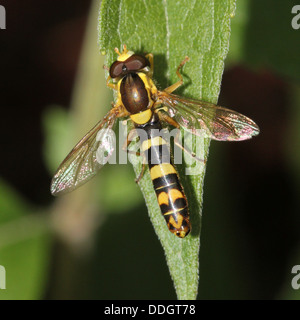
[82, 163]
[215, 122]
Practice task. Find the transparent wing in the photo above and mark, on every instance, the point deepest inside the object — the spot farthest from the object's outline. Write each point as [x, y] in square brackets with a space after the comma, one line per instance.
[215, 122]
[86, 158]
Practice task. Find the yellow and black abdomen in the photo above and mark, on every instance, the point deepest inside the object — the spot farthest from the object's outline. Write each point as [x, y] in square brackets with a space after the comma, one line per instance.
[169, 191]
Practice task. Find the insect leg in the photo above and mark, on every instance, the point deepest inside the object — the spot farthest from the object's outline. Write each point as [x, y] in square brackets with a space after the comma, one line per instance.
[177, 84]
[111, 85]
[149, 56]
[172, 122]
[186, 149]
[131, 135]
[138, 179]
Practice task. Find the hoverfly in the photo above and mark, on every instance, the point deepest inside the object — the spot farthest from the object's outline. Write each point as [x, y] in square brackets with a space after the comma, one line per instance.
[139, 100]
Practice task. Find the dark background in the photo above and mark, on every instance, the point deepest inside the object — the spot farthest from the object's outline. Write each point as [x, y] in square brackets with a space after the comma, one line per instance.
[250, 238]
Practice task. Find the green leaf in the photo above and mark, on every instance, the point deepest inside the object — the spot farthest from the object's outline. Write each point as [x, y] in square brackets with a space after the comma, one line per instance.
[172, 30]
[25, 245]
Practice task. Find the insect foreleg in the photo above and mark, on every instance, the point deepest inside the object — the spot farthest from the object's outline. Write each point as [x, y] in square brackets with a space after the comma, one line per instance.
[111, 85]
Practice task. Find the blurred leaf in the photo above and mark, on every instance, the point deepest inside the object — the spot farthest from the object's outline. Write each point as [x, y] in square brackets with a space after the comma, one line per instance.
[56, 124]
[171, 30]
[269, 39]
[26, 264]
[118, 183]
[24, 247]
[238, 33]
[12, 205]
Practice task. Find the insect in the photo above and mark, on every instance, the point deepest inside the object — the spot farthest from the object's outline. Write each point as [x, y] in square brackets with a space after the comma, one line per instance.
[148, 108]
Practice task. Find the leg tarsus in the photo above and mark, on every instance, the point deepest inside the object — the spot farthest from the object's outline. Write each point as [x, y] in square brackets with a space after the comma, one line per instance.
[177, 84]
[138, 179]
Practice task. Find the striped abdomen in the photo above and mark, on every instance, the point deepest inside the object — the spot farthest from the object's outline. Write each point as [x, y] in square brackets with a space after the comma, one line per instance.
[169, 191]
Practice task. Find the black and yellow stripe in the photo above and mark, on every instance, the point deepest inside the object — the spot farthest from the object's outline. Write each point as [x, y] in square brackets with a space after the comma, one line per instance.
[169, 191]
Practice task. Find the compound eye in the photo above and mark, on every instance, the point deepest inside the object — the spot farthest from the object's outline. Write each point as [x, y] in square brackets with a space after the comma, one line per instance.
[136, 62]
[116, 69]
